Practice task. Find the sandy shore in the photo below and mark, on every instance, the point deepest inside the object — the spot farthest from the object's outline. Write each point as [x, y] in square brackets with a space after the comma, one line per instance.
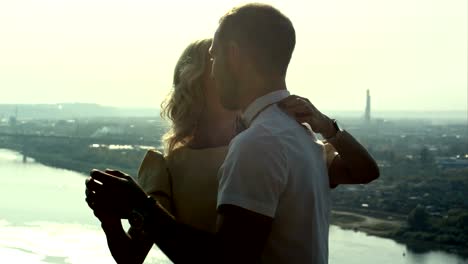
[370, 225]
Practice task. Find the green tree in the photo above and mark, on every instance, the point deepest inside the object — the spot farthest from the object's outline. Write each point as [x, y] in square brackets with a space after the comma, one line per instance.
[426, 157]
[418, 218]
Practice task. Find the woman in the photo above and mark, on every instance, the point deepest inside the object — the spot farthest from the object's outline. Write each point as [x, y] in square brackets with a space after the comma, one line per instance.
[184, 180]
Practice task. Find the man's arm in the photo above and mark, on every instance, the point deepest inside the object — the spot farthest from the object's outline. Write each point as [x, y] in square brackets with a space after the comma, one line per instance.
[242, 234]
[240, 237]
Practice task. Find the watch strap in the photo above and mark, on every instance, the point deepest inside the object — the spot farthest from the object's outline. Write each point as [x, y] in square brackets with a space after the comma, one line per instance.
[337, 130]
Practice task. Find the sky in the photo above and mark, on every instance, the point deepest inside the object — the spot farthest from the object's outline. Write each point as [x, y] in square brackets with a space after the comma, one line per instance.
[411, 54]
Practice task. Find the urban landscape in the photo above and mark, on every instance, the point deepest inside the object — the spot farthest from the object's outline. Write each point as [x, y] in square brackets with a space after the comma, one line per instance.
[419, 199]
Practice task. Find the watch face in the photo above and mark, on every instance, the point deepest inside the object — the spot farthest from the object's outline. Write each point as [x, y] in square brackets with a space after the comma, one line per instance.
[136, 219]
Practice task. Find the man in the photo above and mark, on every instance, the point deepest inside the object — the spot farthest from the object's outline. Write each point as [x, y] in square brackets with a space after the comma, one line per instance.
[273, 195]
[272, 172]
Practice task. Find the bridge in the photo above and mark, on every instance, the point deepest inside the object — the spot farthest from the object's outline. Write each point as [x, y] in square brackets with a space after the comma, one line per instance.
[89, 140]
[21, 141]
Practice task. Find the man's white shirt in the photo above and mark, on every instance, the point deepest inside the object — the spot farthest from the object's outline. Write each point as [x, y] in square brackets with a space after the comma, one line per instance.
[276, 168]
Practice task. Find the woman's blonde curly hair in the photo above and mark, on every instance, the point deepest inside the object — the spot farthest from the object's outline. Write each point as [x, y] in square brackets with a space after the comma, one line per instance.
[185, 103]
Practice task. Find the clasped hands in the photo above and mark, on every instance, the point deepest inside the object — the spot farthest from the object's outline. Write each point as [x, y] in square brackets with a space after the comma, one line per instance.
[112, 195]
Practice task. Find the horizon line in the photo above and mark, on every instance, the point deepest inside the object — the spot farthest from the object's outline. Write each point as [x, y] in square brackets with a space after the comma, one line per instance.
[158, 108]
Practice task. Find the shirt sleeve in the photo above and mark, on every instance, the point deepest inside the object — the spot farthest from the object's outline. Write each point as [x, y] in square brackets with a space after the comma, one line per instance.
[154, 178]
[253, 175]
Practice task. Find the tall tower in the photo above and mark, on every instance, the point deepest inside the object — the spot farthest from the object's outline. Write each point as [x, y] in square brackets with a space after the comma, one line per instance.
[13, 119]
[367, 115]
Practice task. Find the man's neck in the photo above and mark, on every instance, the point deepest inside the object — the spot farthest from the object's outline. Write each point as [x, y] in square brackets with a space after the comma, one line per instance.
[261, 88]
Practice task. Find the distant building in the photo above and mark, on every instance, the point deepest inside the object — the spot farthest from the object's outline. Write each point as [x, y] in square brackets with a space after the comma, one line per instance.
[452, 162]
[12, 121]
[14, 118]
[108, 131]
[367, 114]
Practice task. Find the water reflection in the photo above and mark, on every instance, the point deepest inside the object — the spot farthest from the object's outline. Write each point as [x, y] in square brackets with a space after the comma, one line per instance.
[352, 247]
[44, 219]
[121, 147]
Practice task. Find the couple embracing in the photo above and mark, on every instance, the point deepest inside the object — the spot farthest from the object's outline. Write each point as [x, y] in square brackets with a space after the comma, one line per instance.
[243, 178]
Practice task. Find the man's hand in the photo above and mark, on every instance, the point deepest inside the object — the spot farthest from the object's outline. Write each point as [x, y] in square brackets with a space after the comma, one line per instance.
[112, 194]
[305, 112]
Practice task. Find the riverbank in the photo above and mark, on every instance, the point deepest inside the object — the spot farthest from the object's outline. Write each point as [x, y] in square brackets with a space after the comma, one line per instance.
[79, 157]
[367, 224]
[373, 223]
[385, 225]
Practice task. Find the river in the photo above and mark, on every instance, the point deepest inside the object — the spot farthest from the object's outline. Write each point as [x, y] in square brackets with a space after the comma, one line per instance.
[44, 219]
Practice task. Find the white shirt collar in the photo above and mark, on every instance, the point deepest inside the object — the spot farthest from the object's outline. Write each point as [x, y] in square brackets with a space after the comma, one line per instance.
[261, 103]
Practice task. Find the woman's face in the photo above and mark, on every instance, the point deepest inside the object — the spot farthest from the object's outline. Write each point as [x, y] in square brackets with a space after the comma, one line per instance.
[212, 96]
[208, 81]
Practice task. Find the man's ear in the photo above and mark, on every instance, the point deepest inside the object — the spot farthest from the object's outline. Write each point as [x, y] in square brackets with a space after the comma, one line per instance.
[234, 58]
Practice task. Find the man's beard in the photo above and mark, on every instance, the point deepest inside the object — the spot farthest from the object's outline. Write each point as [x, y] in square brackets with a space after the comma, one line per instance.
[229, 91]
[230, 95]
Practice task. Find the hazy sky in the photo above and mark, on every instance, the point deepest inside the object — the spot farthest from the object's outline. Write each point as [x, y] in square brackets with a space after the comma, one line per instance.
[411, 54]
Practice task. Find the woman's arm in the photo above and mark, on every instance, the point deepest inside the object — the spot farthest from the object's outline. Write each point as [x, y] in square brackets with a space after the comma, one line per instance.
[125, 247]
[240, 237]
[351, 164]
[133, 246]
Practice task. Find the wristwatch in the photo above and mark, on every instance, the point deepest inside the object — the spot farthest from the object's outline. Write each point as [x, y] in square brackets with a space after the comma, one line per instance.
[136, 219]
[337, 128]
[141, 213]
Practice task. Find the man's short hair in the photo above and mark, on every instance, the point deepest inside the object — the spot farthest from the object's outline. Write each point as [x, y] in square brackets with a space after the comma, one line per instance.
[263, 32]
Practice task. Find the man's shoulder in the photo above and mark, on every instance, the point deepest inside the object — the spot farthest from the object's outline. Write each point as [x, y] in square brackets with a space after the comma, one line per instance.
[272, 129]
[251, 147]
[256, 136]
[277, 122]
[274, 124]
